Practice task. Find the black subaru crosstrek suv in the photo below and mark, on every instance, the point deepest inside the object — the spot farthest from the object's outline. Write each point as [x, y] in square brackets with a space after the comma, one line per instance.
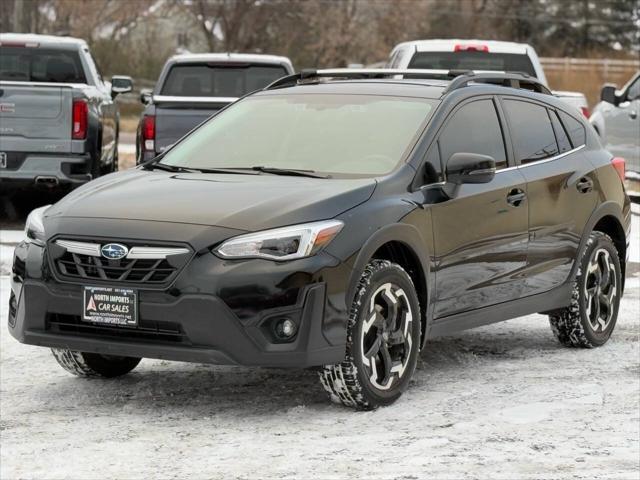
[336, 219]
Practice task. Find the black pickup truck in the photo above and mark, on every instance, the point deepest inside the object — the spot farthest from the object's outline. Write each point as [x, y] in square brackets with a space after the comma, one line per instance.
[58, 117]
[192, 87]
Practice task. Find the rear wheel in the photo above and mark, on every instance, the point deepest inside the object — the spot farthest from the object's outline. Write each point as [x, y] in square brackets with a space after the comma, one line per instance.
[383, 340]
[85, 364]
[591, 317]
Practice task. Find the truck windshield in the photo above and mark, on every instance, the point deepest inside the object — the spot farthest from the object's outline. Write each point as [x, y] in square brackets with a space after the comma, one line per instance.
[29, 64]
[473, 60]
[350, 135]
[219, 80]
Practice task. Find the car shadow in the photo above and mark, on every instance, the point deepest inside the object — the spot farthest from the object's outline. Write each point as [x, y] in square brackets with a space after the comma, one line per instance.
[192, 390]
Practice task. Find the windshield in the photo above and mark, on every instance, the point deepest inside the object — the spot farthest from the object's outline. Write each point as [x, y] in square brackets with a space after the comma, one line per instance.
[340, 134]
[219, 80]
[473, 60]
[27, 64]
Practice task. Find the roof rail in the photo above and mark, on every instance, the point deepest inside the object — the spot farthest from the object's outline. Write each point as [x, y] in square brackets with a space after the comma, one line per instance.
[459, 78]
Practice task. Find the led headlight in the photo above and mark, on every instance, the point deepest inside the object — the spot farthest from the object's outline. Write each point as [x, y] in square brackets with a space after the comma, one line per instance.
[34, 227]
[281, 244]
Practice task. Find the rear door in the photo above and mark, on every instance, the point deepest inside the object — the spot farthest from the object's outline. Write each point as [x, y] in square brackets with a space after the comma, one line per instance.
[549, 148]
[481, 234]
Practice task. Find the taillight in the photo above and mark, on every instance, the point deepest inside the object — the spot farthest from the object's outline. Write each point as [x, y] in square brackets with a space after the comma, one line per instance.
[619, 164]
[80, 120]
[471, 48]
[585, 112]
[148, 132]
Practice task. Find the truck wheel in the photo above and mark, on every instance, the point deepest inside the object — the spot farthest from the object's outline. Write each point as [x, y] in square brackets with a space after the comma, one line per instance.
[591, 317]
[85, 364]
[383, 340]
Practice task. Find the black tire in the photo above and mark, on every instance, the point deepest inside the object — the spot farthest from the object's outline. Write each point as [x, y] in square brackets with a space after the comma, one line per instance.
[85, 364]
[591, 317]
[391, 335]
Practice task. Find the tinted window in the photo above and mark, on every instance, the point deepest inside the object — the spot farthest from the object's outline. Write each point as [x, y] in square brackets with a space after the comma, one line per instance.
[32, 64]
[343, 134]
[530, 126]
[474, 128]
[203, 80]
[574, 129]
[561, 135]
[471, 60]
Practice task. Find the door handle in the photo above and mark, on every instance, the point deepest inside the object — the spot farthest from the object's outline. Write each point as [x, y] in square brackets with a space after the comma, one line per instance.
[584, 185]
[516, 197]
[633, 114]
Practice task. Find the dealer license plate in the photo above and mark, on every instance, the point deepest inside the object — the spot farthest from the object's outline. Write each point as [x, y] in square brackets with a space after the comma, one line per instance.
[111, 306]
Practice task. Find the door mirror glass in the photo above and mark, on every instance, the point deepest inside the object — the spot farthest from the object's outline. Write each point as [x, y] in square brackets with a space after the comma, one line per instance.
[145, 96]
[470, 168]
[608, 94]
[120, 84]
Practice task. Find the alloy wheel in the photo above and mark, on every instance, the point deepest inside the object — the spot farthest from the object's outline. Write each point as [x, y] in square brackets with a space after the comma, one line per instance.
[386, 336]
[600, 290]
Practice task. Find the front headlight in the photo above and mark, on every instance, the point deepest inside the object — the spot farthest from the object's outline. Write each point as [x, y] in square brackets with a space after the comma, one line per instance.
[34, 227]
[287, 243]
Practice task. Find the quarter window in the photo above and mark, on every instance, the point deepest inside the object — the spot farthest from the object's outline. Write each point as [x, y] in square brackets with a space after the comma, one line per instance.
[574, 129]
[474, 128]
[531, 130]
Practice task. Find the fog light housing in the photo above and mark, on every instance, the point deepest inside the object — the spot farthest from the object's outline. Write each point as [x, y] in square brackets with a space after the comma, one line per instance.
[284, 329]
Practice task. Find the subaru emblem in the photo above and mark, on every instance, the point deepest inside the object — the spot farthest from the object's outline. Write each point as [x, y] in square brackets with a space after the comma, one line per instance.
[114, 251]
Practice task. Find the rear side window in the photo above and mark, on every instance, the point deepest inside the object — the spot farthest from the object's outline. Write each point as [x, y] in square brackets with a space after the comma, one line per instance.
[474, 128]
[216, 80]
[561, 135]
[531, 130]
[29, 64]
[473, 60]
[574, 129]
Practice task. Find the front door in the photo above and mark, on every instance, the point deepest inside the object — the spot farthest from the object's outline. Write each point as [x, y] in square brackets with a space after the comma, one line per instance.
[481, 233]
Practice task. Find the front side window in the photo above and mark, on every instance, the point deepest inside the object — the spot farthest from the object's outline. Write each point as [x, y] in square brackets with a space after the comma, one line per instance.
[633, 93]
[531, 131]
[363, 135]
[474, 128]
[32, 64]
[219, 80]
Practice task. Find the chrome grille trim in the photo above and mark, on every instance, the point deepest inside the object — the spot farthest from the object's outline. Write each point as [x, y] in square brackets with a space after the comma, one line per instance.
[138, 253]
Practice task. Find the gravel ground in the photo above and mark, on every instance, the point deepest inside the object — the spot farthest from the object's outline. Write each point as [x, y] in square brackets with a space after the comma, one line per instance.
[504, 401]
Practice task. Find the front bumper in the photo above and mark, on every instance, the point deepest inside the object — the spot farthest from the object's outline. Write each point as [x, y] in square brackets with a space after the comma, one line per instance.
[203, 316]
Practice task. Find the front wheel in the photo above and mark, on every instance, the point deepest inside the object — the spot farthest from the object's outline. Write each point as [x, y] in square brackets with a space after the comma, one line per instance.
[83, 364]
[591, 317]
[383, 340]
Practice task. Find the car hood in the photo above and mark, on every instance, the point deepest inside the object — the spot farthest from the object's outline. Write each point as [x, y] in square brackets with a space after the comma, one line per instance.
[239, 202]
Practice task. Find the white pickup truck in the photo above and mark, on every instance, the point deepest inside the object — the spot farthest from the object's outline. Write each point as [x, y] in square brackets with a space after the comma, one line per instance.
[477, 55]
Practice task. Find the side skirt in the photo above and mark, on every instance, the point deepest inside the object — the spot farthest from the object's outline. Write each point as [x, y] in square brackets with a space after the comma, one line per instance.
[559, 297]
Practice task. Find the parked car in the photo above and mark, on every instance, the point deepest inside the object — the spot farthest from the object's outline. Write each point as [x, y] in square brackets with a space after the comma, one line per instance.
[455, 54]
[336, 219]
[58, 118]
[192, 87]
[617, 120]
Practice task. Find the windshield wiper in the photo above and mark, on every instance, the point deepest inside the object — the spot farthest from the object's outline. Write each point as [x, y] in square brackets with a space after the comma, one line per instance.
[167, 168]
[175, 168]
[289, 171]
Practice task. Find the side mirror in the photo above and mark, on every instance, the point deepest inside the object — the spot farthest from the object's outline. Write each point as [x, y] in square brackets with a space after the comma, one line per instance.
[120, 84]
[608, 94]
[145, 96]
[470, 168]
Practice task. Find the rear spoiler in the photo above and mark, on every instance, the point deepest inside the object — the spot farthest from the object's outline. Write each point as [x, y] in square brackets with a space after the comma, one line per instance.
[165, 99]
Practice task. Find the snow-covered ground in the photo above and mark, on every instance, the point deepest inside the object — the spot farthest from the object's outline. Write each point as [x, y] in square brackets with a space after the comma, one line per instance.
[504, 401]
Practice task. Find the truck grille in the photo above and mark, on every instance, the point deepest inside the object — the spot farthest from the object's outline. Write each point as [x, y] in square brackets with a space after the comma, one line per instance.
[124, 270]
[147, 330]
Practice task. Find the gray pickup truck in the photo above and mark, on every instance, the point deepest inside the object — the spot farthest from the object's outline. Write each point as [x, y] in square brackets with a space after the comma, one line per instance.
[58, 118]
[192, 87]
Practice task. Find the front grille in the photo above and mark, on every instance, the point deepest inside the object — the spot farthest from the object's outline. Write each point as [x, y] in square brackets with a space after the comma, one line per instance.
[145, 331]
[154, 271]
